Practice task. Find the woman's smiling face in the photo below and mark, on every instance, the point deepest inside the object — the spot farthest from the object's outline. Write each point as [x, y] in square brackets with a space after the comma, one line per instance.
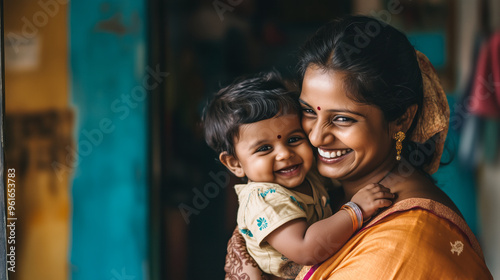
[352, 140]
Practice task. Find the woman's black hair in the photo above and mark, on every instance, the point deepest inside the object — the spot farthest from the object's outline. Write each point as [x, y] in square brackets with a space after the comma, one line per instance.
[380, 67]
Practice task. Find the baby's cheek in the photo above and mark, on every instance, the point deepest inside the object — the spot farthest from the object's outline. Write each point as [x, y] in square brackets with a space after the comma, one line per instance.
[308, 155]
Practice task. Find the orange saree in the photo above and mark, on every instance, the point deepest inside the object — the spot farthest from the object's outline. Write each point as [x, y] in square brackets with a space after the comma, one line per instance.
[414, 239]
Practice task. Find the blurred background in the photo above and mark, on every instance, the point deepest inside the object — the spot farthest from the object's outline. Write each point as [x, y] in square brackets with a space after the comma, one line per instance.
[102, 106]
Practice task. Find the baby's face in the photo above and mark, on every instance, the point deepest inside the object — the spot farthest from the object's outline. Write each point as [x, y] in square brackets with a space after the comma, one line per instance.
[275, 150]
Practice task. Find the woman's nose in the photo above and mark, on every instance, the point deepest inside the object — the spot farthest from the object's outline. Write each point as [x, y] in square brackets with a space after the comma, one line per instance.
[318, 136]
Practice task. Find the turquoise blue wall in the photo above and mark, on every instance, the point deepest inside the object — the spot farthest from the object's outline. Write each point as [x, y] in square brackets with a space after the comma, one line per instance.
[457, 182]
[108, 67]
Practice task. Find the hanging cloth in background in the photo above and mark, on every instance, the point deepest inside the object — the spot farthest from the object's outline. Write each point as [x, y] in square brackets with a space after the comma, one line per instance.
[485, 95]
[481, 129]
[466, 124]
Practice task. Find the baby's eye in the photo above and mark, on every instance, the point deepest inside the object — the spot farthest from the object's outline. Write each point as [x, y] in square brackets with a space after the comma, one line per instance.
[307, 111]
[264, 148]
[294, 139]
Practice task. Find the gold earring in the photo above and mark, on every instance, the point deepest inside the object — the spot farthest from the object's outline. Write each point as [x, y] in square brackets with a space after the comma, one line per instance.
[399, 137]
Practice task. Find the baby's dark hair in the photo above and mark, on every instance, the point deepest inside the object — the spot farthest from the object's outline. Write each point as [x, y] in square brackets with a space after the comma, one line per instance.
[247, 100]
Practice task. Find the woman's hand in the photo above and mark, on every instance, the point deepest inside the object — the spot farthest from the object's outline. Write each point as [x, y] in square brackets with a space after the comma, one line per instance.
[371, 198]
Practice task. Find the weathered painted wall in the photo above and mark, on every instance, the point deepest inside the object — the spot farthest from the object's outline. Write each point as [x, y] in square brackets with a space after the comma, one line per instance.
[36, 60]
[38, 127]
[109, 80]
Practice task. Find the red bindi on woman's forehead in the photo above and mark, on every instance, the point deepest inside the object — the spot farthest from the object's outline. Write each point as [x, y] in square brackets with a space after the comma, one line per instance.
[319, 108]
[279, 136]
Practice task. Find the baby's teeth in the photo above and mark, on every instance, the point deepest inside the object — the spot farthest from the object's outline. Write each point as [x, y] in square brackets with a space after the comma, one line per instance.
[339, 153]
[343, 152]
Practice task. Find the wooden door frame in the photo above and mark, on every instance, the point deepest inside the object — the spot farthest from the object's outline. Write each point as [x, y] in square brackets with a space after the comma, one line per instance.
[156, 56]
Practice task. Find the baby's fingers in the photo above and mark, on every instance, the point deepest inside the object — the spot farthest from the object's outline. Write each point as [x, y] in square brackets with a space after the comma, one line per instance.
[375, 187]
[381, 203]
[380, 195]
[371, 208]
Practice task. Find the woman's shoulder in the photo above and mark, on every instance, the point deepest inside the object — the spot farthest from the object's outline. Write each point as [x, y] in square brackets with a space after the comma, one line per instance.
[431, 216]
[416, 238]
[420, 186]
[403, 208]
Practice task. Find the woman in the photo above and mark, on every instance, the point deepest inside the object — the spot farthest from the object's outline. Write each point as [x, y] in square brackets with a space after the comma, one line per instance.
[366, 89]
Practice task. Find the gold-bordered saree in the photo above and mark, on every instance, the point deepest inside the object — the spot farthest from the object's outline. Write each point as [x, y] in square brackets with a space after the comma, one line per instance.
[414, 239]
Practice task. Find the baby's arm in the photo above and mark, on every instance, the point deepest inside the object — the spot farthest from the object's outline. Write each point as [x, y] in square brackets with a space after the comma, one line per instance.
[311, 245]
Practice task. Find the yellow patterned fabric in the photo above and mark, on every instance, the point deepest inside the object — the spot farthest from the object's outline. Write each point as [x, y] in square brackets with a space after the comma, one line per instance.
[264, 207]
[414, 239]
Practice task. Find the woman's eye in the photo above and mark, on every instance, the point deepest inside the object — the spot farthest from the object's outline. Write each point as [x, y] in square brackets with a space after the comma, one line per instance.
[263, 148]
[342, 119]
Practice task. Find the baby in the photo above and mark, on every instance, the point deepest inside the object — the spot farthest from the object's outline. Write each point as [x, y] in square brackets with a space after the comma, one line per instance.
[284, 209]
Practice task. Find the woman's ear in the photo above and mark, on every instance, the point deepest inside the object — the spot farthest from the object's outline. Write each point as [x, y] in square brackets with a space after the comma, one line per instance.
[232, 163]
[405, 121]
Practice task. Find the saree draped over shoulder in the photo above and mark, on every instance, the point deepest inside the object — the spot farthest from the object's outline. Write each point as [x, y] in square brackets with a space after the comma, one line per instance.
[415, 239]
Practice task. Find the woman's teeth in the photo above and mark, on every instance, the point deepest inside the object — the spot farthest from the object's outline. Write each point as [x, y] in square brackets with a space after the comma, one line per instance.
[333, 154]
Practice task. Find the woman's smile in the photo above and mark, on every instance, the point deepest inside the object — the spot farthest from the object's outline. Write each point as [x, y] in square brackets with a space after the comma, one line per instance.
[333, 154]
[350, 136]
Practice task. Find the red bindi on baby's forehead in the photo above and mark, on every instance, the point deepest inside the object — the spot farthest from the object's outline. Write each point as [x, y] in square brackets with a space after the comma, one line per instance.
[319, 108]
[279, 136]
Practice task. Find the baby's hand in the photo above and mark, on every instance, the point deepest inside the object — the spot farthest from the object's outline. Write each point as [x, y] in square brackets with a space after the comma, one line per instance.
[371, 198]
